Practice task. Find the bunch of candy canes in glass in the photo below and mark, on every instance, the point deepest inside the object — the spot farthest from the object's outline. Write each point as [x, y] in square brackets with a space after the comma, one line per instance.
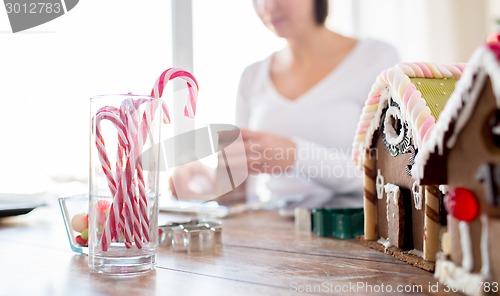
[128, 219]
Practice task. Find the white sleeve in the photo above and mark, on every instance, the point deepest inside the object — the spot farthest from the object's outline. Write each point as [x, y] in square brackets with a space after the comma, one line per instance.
[332, 168]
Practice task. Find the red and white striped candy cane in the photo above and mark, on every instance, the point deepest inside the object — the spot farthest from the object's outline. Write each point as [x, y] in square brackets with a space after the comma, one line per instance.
[192, 84]
[125, 212]
[123, 218]
[189, 110]
[106, 113]
[131, 217]
[129, 210]
[138, 132]
[116, 223]
[101, 147]
[140, 223]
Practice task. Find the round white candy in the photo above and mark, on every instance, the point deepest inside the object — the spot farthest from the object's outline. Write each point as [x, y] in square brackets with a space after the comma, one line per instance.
[79, 222]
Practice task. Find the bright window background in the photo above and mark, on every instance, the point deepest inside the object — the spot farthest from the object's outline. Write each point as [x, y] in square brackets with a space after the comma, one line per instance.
[48, 74]
[227, 37]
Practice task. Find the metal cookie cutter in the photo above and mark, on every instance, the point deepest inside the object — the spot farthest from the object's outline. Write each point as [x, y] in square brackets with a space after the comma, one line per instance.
[191, 236]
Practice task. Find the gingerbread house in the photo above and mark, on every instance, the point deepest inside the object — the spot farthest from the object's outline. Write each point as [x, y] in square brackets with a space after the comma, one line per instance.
[402, 218]
[466, 141]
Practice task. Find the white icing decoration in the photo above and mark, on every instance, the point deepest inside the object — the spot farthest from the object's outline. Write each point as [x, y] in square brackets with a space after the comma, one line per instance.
[466, 244]
[391, 134]
[416, 253]
[467, 110]
[495, 130]
[384, 242]
[417, 195]
[391, 191]
[458, 279]
[379, 184]
[485, 254]
[443, 189]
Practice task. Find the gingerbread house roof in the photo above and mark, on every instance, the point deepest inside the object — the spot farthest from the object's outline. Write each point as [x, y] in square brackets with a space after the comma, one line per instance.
[484, 63]
[420, 89]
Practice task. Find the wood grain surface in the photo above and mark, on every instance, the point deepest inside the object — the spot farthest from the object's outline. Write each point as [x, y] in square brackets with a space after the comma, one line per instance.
[262, 254]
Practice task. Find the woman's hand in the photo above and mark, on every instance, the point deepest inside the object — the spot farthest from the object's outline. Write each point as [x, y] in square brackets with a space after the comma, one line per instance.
[264, 153]
[267, 152]
[191, 181]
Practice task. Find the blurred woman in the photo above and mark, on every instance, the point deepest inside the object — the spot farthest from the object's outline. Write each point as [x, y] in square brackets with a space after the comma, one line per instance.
[298, 108]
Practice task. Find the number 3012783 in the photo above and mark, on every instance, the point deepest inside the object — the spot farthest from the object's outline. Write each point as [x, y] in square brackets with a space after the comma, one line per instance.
[33, 8]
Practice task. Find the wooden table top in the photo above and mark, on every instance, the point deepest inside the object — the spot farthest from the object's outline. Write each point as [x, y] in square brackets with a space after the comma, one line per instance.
[262, 254]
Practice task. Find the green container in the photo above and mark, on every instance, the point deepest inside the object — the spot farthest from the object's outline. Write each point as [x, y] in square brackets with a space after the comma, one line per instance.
[345, 223]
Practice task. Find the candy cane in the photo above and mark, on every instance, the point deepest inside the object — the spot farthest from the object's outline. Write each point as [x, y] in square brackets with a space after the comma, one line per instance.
[125, 210]
[124, 201]
[123, 141]
[114, 219]
[138, 132]
[127, 230]
[140, 223]
[129, 210]
[192, 84]
[101, 147]
[147, 117]
[189, 110]
[132, 217]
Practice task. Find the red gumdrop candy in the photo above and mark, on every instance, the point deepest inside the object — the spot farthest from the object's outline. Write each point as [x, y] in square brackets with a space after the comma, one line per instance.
[462, 204]
[495, 49]
[493, 38]
[82, 242]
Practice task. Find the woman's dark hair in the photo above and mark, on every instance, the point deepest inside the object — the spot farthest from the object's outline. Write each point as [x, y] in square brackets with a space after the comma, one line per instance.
[320, 11]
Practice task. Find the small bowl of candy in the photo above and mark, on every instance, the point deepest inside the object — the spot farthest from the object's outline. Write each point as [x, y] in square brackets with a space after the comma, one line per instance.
[74, 210]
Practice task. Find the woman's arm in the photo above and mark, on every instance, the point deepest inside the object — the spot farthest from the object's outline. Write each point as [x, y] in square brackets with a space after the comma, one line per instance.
[278, 155]
[332, 168]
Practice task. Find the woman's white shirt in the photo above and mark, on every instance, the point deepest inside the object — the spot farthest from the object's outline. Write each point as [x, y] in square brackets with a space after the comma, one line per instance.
[322, 123]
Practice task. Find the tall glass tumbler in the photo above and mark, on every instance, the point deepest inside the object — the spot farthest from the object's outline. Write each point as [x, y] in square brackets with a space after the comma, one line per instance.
[124, 176]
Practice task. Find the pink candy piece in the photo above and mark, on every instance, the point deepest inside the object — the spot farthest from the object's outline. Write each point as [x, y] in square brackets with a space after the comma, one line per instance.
[426, 125]
[408, 92]
[425, 69]
[79, 222]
